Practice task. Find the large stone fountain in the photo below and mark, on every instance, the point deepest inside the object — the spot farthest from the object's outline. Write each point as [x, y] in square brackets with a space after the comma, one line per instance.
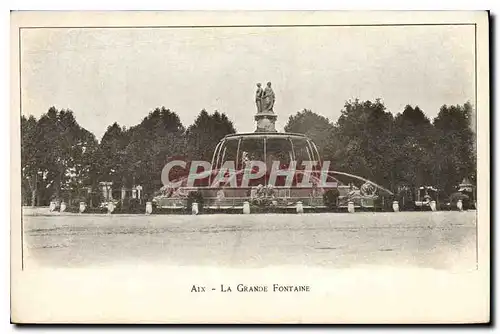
[273, 150]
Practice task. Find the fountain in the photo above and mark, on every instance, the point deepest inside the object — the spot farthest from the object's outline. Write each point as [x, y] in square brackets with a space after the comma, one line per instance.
[271, 169]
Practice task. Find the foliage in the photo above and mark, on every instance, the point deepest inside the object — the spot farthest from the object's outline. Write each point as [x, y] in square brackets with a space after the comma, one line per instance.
[130, 205]
[61, 160]
[94, 199]
[414, 143]
[405, 150]
[466, 202]
[316, 127]
[330, 198]
[455, 155]
[29, 159]
[57, 155]
[361, 141]
[205, 133]
[150, 145]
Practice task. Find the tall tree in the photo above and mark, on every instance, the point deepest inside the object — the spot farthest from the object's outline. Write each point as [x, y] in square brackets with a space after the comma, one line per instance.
[362, 142]
[57, 154]
[316, 127]
[455, 156]
[159, 137]
[83, 153]
[60, 157]
[29, 159]
[205, 133]
[414, 139]
[110, 156]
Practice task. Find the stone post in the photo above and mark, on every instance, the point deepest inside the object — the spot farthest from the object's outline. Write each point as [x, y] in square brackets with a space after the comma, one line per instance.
[246, 207]
[300, 207]
[149, 208]
[194, 208]
[83, 206]
[111, 207]
[350, 207]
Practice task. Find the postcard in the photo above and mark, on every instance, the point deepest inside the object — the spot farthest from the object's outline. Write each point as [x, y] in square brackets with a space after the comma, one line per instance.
[250, 167]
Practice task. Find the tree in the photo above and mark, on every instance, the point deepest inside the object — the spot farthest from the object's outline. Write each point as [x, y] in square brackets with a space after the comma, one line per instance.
[414, 141]
[83, 154]
[150, 144]
[110, 156]
[56, 154]
[29, 159]
[205, 133]
[362, 142]
[455, 155]
[316, 127]
[59, 157]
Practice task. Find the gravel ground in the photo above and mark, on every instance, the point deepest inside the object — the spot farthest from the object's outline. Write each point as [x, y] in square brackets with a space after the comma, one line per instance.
[439, 240]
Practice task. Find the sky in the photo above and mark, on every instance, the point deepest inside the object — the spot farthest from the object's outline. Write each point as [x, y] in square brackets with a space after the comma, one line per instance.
[120, 75]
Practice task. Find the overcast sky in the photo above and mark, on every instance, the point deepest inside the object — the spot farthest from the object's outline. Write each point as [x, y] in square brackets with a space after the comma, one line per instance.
[108, 75]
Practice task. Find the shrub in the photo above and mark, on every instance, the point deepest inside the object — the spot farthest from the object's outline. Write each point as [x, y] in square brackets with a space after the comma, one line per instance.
[130, 205]
[76, 201]
[379, 204]
[95, 198]
[95, 210]
[72, 209]
[330, 198]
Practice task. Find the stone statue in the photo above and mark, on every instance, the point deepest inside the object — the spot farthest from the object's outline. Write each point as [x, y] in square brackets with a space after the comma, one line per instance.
[265, 117]
[268, 99]
[258, 97]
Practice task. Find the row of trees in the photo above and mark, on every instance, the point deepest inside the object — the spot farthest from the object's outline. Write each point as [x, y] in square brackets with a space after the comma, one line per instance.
[394, 151]
[61, 159]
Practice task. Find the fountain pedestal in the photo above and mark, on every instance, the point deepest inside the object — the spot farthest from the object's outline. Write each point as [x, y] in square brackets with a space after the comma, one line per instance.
[266, 122]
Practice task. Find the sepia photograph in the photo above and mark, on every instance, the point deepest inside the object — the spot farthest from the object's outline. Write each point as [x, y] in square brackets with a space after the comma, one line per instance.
[330, 166]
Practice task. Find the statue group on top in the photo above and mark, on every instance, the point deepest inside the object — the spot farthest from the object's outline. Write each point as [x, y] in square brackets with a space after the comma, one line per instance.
[264, 99]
